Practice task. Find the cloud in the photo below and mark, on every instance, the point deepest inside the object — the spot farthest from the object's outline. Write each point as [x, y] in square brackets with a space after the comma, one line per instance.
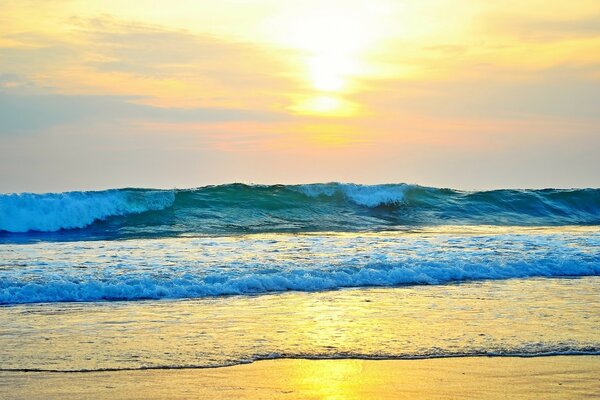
[535, 28]
[34, 59]
[12, 81]
[488, 91]
[30, 112]
[155, 51]
[110, 56]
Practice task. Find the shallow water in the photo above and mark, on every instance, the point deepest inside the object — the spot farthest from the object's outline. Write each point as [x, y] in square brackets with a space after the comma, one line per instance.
[506, 317]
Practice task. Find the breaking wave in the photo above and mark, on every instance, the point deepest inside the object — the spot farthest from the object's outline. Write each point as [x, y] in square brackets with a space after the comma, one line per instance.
[239, 208]
[119, 286]
[55, 211]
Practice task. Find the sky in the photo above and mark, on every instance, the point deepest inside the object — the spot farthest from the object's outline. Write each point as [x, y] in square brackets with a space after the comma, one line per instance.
[467, 94]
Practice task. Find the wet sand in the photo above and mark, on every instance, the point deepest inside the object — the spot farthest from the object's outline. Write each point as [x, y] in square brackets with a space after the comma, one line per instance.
[558, 377]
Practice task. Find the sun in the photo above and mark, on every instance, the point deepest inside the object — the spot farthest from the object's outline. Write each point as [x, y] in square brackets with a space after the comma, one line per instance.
[331, 72]
[332, 40]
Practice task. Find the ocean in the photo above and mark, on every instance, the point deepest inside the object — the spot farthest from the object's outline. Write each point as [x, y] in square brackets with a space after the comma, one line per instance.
[229, 274]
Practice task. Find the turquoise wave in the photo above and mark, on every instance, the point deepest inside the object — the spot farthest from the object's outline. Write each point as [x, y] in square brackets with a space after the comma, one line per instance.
[240, 208]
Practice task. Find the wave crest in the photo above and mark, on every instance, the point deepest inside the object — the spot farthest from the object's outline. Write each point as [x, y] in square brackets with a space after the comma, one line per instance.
[55, 211]
[363, 195]
[239, 208]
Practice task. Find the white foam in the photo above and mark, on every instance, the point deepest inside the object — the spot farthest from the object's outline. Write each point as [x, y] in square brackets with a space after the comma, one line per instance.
[363, 195]
[54, 211]
[123, 286]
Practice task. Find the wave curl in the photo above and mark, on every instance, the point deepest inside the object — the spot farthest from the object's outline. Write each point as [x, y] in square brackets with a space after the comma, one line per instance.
[239, 208]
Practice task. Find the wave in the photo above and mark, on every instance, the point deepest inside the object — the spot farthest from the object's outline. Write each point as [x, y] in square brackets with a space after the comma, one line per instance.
[363, 195]
[239, 208]
[55, 211]
[120, 286]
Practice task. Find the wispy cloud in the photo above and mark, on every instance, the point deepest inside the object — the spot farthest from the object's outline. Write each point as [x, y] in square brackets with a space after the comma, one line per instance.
[109, 56]
[36, 112]
[566, 91]
[156, 51]
[538, 28]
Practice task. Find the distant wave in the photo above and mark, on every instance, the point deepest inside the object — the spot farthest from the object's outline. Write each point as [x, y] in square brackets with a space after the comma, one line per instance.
[239, 208]
[246, 281]
[363, 195]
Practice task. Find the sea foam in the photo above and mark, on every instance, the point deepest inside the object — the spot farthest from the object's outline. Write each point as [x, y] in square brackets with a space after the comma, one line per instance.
[256, 264]
[363, 195]
[148, 286]
[54, 211]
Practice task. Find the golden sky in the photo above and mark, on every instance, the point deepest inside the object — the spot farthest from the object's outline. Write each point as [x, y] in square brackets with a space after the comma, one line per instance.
[463, 93]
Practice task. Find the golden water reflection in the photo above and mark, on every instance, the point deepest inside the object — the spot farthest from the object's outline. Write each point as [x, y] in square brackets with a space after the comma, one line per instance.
[532, 315]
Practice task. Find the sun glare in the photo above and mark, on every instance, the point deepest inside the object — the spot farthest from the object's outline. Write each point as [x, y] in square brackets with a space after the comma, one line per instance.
[332, 43]
[326, 105]
[331, 40]
[330, 72]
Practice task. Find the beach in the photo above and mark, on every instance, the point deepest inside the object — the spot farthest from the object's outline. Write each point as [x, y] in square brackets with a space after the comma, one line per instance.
[560, 377]
[178, 299]
[268, 199]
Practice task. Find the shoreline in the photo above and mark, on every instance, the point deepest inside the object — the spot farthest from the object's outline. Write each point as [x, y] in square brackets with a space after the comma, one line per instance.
[299, 358]
[491, 377]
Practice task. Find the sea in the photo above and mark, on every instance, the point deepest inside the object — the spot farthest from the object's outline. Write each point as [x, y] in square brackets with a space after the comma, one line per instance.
[128, 279]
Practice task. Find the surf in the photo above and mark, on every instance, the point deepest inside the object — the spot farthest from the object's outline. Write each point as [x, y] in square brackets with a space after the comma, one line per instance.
[212, 266]
[241, 208]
